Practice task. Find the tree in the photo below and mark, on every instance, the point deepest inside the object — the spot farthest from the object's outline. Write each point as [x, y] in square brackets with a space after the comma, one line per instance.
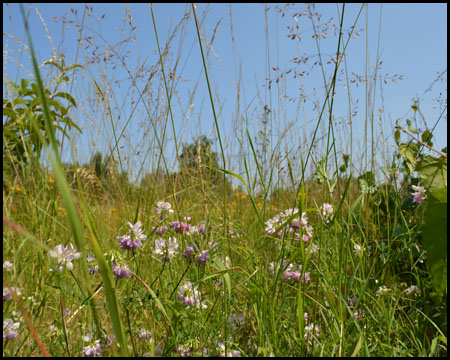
[198, 159]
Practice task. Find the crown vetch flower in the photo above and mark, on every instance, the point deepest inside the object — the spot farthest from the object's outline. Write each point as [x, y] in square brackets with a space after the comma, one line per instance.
[134, 237]
[65, 256]
[10, 329]
[191, 296]
[166, 249]
[419, 194]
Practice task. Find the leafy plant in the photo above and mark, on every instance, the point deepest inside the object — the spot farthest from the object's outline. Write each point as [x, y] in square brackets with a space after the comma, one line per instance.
[20, 138]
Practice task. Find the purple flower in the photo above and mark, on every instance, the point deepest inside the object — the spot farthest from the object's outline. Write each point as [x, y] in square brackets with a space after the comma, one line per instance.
[160, 230]
[359, 314]
[7, 293]
[166, 249]
[10, 329]
[7, 266]
[136, 233]
[202, 258]
[183, 350]
[121, 272]
[309, 331]
[352, 301]
[144, 334]
[180, 227]
[164, 209]
[413, 289]
[419, 194]
[189, 253]
[93, 349]
[191, 296]
[326, 211]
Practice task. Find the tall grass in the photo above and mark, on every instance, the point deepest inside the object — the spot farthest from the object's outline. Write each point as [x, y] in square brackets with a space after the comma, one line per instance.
[263, 290]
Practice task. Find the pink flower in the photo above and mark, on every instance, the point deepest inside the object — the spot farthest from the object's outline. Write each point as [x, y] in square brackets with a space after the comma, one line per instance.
[419, 194]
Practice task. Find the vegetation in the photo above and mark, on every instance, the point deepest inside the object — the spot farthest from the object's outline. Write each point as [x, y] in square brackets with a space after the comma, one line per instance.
[198, 259]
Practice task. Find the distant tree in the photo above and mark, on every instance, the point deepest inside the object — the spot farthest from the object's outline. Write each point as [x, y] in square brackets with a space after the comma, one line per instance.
[198, 159]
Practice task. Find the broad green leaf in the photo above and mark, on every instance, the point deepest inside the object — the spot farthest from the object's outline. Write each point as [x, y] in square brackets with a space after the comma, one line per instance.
[435, 240]
[433, 172]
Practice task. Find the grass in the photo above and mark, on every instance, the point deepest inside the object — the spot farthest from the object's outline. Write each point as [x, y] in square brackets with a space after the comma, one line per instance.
[345, 290]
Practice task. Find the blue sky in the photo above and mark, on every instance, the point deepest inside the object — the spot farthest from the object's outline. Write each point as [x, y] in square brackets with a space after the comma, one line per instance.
[411, 41]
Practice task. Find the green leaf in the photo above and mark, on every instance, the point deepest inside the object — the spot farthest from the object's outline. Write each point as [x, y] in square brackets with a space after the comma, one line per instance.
[433, 172]
[426, 137]
[67, 97]
[409, 152]
[397, 136]
[435, 240]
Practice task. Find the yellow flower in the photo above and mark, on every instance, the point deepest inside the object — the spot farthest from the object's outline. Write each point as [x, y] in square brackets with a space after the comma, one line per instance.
[243, 196]
[19, 188]
[51, 179]
[63, 210]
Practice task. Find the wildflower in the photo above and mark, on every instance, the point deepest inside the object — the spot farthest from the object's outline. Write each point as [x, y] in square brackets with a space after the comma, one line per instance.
[65, 256]
[413, 289]
[127, 242]
[121, 271]
[10, 329]
[180, 227]
[164, 209]
[7, 266]
[166, 249]
[221, 348]
[144, 334]
[382, 290]
[326, 211]
[92, 268]
[359, 314]
[352, 301]
[191, 296]
[309, 331]
[235, 321]
[160, 230]
[358, 249]
[226, 261]
[183, 350]
[7, 293]
[419, 194]
[202, 258]
[93, 349]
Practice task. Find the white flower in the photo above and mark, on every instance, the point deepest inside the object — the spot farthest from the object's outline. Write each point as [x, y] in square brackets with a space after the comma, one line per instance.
[7, 266]
[358, 249]
[166, 249]
[65, 256]
[137, 231]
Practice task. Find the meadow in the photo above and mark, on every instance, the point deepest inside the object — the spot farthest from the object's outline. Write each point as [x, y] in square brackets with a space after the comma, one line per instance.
[307, 252]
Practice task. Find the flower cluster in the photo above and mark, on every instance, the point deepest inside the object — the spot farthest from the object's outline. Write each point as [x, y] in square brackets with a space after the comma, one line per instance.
[10, 329]
[7, 293]
[413, 289]
[134, 237]
[163, 209]
[326, 212]
[166, 249]
[65, 256]
[309, 331]
[292, 272]
[192, 253]
[191, 296]
[93, 349]
[280, 221]
[221, 349]
[121, 272]
[419, 194]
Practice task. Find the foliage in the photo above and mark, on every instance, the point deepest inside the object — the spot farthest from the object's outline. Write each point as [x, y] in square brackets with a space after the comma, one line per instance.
[433, 177]
[20, 137]
[198, 159]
